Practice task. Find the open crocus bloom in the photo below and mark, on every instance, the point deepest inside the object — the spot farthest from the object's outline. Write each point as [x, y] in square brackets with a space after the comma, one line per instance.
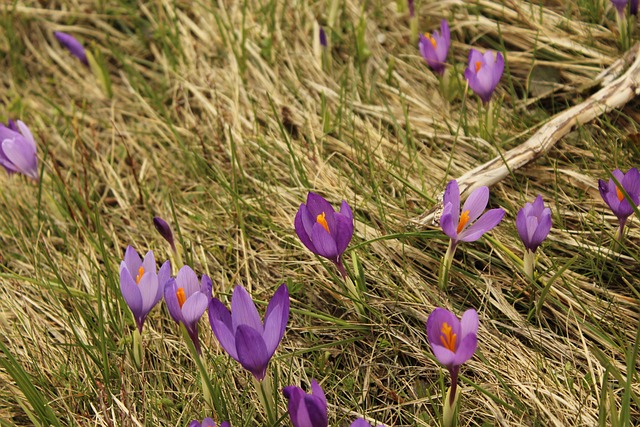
[614, 197]
[533, 223]
[140, 285]
[242, 334]
[435, 47]
[453, 341]
[468, 225]
[484, 72]
[324, 231]
[18, 149]
[307, 410]
[187, 300]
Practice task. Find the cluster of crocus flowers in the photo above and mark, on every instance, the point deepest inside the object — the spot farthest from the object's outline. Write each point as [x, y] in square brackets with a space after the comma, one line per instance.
[242, 334]
[208, 422]
[484, 72]
[614, 196]
[324, 231]
[533, 223]
[468, 224]
[435, 47]
[72, 45]
[307, 410]
[18, 153]
[187, 299]
[453, 342]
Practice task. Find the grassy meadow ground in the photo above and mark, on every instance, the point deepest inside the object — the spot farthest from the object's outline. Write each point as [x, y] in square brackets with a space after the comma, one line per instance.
[223, 115]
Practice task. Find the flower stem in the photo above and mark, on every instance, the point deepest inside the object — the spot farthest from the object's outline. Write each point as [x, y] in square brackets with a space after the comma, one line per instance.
[529, 263]
[620, 233]
[446, 265]
[137, 350]
[450, 409]
[264, 389]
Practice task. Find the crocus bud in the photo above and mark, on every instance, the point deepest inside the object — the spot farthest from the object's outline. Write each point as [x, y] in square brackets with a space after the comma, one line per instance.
[165, 231]
[72, 45]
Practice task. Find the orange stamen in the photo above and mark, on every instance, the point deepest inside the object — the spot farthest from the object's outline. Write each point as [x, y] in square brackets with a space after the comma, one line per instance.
[323, 222]
[140, 274]
[464, 219]
[478, 66]
[432, 40]
[619, 193]
[181, 296]
[448, 338]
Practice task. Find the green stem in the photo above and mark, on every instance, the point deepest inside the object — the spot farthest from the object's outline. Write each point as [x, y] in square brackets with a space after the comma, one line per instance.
[137, 350]
[265, 395]
[529, 263]
[446, 265]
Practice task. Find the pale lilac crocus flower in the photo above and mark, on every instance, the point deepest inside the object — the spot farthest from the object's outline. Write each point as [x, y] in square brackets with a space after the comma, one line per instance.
[435, 47]
[453, 342]
[614, 197]
[73, 46]
[484, 72]
[187, 300]
[533, 223]
[307, 410]
[242, 334]
[208, 422]
[141, 286]
[18, 151]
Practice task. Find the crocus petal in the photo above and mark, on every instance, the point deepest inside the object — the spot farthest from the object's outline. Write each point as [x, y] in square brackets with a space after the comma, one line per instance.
[631, 184]
[317, 391]
[469, 323]
[73, 45]
[132, 259]
[436, 319]
[486, 222]
[294, 395]
[195, 423]
[28, 136]
[252, 351]
[476, 203]
[541, 232]
[171, 299]
[193, 308]
[187, 279]
[445, 356]
[343, 232]
[324, 242]
[130, 291]
[276, 318]
[449, 226]
[164, 274]
[149, 262]
[301, 229]
[208, 422]
[452, 195]
[345, 210]
[318, 205]
[466, 349]
[206, 287]
[222, 326]
[244, 311]
[148, 287]
[225, 424]
[22, 156]
[360, 422]
[316, 411]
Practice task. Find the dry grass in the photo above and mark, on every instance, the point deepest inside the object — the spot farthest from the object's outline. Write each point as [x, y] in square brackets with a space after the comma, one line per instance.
[222, 118]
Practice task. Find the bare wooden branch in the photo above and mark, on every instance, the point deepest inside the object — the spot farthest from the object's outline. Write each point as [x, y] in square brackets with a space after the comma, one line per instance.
[614, 95]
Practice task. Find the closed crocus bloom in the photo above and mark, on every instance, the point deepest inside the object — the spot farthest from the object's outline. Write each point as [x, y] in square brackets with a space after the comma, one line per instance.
[242, 334]
[72, 45]
[324, 231]
[165, 231]
[533, 223]
[307, 410]
[469, 224]
[141, 286]
[361, 422]
[435, 47]
[187, 300]
[484, 72]
[614, 197]
[18, 151]
[208, 422]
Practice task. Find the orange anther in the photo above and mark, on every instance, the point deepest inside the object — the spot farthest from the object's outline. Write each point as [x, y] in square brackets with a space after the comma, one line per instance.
[321, 219]
[464, 219]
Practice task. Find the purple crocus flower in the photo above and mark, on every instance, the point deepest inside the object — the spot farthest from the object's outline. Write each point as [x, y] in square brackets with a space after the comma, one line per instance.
[187, 300]
[533, 223]
[614, 197]
[468, 225]
[323, 37]
[434, 48]
[208, 422]
[165, 231]
[633, 7]
[140, 285]
[241, 332]
[72, 45]
[18, 149]
[361, 422]
[453, 341]
[484, 72]
[307, 410]
[620, 5]
[324, 231]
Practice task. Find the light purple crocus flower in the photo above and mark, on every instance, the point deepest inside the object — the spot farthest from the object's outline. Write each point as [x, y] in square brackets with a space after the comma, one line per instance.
[533, 223]
[620, 5]
[165, 231]
[434, 48]
[324, 231]
[614, 197]
[453, 341]
[140, 285]
[307, 410]
[361, 422]
[242, 334]
[208, 422]
[468, 225]
[187, 300]
[18, 149]
[484, 72]
[72, 45]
